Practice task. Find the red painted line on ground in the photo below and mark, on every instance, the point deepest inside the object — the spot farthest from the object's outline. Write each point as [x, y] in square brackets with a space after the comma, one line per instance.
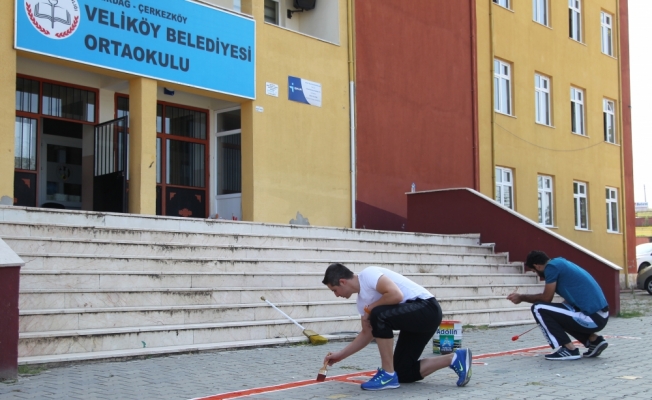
[509, 352]
[284, 386]
[343, 378]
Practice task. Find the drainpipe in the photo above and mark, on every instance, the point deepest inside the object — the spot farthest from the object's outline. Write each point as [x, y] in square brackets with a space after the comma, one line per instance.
[493, 106]
[622, 150]
[474, 99]
[351, 43]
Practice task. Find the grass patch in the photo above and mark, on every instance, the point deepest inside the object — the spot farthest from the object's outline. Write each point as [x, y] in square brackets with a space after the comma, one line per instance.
[630, 314]
[534, 384]
[469, 327]
[30, 370]
[350, 367]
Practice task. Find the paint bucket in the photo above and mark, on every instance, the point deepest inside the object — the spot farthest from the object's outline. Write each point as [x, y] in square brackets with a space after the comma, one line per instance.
[448, 337]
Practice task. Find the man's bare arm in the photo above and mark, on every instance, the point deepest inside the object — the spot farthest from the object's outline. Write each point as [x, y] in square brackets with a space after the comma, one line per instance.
[545, 297]
[391, 294]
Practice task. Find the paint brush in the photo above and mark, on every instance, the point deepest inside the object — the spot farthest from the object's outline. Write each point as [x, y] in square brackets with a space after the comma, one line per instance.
[321, 376]
[514, 338]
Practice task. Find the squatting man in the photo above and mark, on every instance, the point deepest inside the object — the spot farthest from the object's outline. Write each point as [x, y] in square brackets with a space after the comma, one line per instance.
[583, 313]
[388, 301]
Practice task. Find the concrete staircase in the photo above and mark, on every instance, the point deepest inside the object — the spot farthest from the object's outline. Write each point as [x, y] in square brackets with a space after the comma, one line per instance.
[99, 285]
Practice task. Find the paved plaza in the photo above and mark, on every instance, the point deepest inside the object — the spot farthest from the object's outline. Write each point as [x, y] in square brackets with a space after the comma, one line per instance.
[503, 369]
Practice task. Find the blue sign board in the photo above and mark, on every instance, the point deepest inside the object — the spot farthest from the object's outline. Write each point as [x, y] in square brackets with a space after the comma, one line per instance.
[304, 91]
[178, 41]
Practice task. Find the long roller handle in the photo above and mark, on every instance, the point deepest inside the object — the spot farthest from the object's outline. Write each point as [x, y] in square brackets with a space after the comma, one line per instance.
[284, 314]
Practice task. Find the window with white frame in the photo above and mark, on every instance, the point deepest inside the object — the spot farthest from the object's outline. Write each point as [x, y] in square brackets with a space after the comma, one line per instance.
[606, 22]
[540, 11]
[502, 87]
[544, 183]
[575, 19]
[577, 111]
[271, 12]
[542, 99]
[580, 201]
[609, 120]
[505, 187]
[503, 3]
[612, 209]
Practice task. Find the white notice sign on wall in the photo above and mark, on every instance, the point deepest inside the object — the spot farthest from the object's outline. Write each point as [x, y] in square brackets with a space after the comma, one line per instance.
[271, 89]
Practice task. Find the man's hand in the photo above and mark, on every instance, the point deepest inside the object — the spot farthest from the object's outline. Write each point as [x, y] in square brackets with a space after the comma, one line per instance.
[332, 358]
[545, 297]
[514, 298]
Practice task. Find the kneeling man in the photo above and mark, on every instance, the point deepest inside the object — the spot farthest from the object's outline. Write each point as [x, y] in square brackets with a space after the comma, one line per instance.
[583, 313]
[388, 301]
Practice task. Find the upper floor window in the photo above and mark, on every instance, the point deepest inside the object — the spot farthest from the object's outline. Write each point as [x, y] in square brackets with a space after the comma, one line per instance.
[540, 12]
[505, 187]
[502, 87]
[575, 19]
[612, 209]
[68, 102]
[27, 91]
[577, 111]
[544, 184]
[271, 12]
[580, 201]
[606, 33]
[609, 119]
[542, 99]
[503, 3]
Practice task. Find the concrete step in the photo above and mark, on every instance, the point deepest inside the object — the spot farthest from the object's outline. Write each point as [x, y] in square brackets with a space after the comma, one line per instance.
[56, 240]
[155, 264]
[145, 351]
[107, 339]
[324, 256]
[126, 338]
[491, 317]
[39, 299]
[102, 285]
[130, 279]
[117, 317]
[147, 225]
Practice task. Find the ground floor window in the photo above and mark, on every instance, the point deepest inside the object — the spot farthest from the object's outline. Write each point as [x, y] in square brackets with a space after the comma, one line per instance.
[181, 158]
[581, 205]
[612, 210]
[505, 187]
[545, 200]
[228, 165]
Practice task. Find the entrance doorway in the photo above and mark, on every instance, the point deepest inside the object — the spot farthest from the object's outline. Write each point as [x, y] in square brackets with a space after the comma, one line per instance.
[53, 128]
[60, 174]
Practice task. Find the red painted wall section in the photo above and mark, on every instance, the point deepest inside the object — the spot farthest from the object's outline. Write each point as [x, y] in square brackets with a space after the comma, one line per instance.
[459, 211]
[9, 283]
[626, 102]
[415, 103]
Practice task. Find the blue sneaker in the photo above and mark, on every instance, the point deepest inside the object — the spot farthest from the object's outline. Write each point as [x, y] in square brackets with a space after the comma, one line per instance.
[462, 366]
[381, 381]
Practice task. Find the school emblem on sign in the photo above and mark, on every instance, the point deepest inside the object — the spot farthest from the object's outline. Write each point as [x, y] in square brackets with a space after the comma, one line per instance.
[56, 19]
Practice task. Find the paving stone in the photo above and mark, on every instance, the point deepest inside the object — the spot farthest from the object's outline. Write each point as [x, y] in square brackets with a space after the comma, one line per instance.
[507, 377]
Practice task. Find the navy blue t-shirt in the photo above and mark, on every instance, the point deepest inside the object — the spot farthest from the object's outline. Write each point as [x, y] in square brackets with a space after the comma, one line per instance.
[575, 285]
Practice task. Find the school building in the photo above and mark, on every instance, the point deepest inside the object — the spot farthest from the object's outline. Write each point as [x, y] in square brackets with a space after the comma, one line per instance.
[258, 110]
[525, 101]
[220, 109]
